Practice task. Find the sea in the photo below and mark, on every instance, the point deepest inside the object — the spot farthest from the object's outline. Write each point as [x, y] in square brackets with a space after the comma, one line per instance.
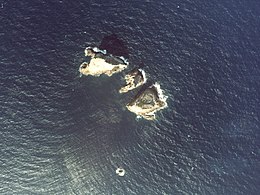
[65, 134]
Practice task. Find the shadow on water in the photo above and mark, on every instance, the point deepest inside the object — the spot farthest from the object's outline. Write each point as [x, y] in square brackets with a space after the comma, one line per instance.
[114, 46]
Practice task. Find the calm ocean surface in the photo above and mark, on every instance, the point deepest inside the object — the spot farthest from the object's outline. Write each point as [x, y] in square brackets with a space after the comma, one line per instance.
[65, 134]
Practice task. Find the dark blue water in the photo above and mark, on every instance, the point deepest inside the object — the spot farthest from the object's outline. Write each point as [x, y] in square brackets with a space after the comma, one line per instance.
[65, 134]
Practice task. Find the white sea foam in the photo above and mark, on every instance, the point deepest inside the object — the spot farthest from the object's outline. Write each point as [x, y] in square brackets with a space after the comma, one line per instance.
[160, 93]
[143, 74]
[95, 49]
[124, 60]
